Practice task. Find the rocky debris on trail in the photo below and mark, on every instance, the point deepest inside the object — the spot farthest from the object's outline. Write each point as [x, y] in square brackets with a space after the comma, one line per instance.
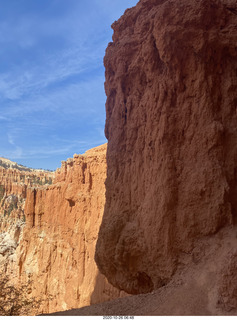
[204, 284]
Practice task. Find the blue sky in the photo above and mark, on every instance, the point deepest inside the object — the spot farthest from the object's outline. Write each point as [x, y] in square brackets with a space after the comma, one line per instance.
[52, 96]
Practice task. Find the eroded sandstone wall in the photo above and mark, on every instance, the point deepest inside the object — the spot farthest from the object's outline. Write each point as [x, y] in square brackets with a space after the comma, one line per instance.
[55, 256]
[14, 181]
[171, 86]
[14, 178]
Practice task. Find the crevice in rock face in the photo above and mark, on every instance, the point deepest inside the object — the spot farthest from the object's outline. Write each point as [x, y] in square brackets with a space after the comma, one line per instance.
[233, 10]
[144, 282]
[125, 114]
[20, 267]
[158, 63]
[71, 203]
[17, 233]
[233, 196]
[84, 167]
[90, 181]
[33, 213]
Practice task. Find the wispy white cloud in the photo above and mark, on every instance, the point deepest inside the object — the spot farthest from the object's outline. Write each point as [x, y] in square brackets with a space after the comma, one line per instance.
[46, 152]
[21, 32]
[4, 118]
[54, 69]
[52, 78]
[15, 154]
[17, 151]
[10, 139]
[69, 100]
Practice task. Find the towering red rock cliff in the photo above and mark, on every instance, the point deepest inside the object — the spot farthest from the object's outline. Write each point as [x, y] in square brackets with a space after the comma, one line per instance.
[55, 255]
[171, 119]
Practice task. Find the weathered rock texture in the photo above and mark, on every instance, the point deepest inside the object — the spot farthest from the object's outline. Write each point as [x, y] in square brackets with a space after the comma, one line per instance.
[14, 181]
[14, 178]
[171, 85]
[55, 255]
[204, 284]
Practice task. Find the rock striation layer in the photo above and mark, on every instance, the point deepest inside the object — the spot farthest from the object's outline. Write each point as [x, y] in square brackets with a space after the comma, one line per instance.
[14, 178]
[14, 181]
[55, 254]
[171, 119]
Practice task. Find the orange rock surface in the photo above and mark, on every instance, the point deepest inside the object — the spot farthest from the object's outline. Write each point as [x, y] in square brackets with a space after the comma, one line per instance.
[14, 180]
[55, 255]
[171, 124]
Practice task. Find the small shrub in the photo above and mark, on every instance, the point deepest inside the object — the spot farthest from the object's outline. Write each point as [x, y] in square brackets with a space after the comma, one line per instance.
[16, 301]
[2, 192]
